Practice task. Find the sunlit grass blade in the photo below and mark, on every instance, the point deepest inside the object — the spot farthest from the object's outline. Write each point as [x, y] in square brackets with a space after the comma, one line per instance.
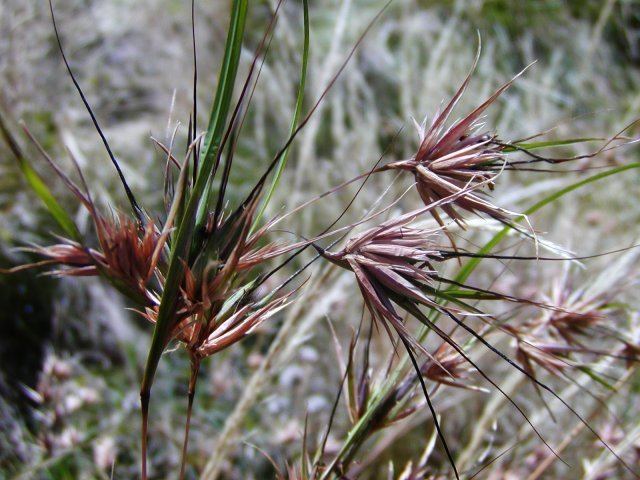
[596, 378]
[185, 229]
[305, 458]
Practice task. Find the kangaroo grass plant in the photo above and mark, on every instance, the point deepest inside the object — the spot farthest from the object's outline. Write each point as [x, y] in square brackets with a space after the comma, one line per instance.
[201, 271]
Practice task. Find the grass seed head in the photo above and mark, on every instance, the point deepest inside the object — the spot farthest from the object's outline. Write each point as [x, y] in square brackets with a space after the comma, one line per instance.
[447, 367]
[70, 258]
[128, 252]
[450, 159]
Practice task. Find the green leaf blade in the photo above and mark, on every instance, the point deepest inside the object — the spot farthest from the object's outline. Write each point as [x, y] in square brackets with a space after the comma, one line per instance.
[54, 208]
[187, 223]
[282, 161]
[38, 185]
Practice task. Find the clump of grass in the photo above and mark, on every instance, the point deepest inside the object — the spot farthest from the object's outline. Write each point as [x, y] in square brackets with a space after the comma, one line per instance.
[198, 274]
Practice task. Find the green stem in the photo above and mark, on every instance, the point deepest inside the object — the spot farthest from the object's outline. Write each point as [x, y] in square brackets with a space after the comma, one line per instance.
[181, 244]
[144, 405]
[195, 369]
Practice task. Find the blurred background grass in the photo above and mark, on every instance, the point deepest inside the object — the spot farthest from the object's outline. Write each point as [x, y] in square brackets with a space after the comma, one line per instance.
[70, 355]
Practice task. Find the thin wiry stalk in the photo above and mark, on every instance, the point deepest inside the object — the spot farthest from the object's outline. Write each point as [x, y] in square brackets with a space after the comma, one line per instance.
[444, 336]
[548, 461]
[259, 379]
[296, 114]
[134, 204]
[313, 109]
[431, 408]
[323, 443]
[144, 417]
[544, 387]
[193, 379]
[264, 45]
